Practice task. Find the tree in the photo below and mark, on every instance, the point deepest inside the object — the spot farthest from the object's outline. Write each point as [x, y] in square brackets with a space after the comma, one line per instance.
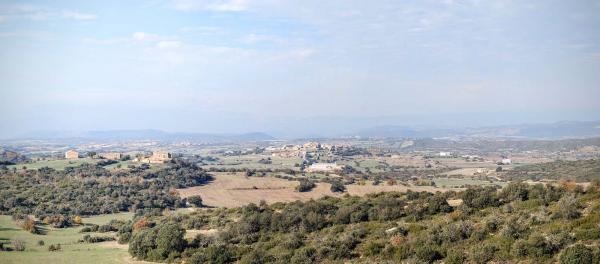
[578, 254]
[195, 200]
[91, 154]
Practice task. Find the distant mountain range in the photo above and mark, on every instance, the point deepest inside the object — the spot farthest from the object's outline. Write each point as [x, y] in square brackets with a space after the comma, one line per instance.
[558, 130]
[148, 134]
[563, 129]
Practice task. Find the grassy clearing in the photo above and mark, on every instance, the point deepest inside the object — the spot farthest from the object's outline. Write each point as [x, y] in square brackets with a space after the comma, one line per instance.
[456, 183]
[55, 164]
[72, 251]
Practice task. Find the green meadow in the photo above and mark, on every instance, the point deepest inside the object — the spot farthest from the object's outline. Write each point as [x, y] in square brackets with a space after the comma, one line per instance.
[71, 250]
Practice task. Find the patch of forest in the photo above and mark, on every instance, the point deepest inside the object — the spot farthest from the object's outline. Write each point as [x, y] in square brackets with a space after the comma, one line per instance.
[90, 189]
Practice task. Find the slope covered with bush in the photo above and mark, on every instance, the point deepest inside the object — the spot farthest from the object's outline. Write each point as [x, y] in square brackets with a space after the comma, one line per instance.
[530, 223]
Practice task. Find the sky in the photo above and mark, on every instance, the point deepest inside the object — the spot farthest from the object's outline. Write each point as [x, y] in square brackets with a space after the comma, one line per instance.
[295, 68]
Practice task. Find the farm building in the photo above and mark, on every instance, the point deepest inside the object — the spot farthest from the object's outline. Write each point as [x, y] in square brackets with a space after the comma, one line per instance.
[506, 161]
[324, 167]
[71, 154]
[157, 157]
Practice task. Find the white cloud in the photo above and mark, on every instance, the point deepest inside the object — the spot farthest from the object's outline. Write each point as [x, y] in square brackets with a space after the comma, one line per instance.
[229, 6]
[97, 41]
[168, 44]
[2, 19]
[214, 5]
[78, 16]
[143, 36]
[294, 55]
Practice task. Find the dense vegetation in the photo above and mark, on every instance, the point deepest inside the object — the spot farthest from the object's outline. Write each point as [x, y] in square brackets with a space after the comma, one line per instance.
[90, 189]
[580, 171]
[532, 223]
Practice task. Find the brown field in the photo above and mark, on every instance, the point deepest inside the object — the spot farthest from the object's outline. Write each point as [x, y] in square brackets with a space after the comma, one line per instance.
[232, 190]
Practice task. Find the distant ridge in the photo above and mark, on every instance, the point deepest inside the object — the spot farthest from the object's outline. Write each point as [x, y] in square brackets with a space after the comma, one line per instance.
[557, 130]
[148, 134]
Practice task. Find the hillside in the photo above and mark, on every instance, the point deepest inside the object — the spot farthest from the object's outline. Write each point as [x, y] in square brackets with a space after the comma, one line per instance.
[521, 223]
[579, 171]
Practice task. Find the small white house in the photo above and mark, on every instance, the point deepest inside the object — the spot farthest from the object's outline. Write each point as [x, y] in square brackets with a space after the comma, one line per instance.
[506, 162]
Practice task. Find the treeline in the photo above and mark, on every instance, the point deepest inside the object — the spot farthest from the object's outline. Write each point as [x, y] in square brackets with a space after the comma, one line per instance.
[536, 224]
[90, 189]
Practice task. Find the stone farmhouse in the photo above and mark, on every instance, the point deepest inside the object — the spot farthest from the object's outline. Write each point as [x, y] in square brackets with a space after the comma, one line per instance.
[71, 154]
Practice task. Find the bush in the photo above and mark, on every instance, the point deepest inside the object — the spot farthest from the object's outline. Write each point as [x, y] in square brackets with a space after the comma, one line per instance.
[483, 253]
[96, 239]
[195, 200]
[54, 247]
[427, 253]
[90, 228]
[18, 245]
[454, 257]
[305, 186]
[142, 243]
[170, 239]
[568, 207]
[578, 254]
[305, 255]
[337, 186]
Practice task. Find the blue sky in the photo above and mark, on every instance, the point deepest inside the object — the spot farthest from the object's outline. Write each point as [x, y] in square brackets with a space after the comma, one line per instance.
[295, 67]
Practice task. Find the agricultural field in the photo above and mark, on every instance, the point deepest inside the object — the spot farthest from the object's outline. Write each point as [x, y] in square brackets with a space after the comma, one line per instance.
[235, 189]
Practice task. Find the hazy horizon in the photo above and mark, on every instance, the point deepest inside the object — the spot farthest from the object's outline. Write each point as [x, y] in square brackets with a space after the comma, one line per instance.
[295, 69]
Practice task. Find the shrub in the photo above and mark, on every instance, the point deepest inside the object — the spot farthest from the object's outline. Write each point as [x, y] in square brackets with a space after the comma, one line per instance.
[337, 186]
[568, 207]
[90, 228]
[427, 253]
[18, 245]
[195, 200]
[142, 243]
[53, 247]
[218, 254]
[170, 239]
[483, 253]
[454, 257]
[96, 239]
[305, 255]
[305, 186]
[578, 254]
